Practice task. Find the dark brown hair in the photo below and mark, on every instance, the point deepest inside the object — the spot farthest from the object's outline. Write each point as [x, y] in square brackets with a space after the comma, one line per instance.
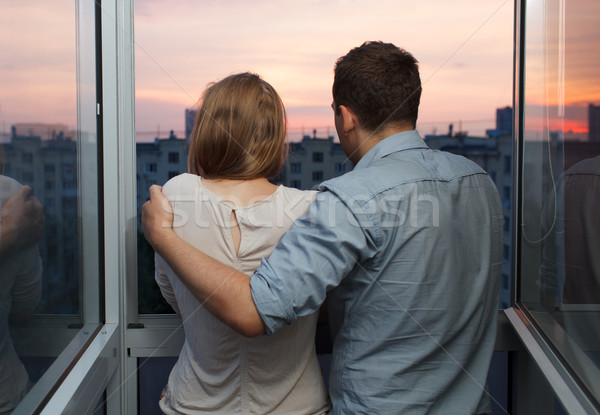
[380, 83]
[239, 131]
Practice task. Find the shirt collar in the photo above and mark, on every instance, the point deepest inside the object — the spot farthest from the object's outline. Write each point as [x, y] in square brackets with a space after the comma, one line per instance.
[405, 140]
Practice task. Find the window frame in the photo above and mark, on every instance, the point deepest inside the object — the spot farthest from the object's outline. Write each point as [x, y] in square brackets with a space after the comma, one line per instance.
[69, 336]
[528, 324]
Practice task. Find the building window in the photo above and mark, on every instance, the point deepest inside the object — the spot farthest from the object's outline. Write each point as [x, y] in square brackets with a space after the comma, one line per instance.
[506, 193]
[493, 176]
[506, 252]
[506, 224]
[505, 281]
[507, 164]
[69, 205]
[69, 184]
[317, 157]
[173, 157]
[173, 173]
[296, 168]
[49, 203]
[68, 170]
[49, 168]
[151, 167]
[317, 176]
[28, 176]
[69, 176]
[296, 183]
[340, 168]
[27, 158]
[49, 185]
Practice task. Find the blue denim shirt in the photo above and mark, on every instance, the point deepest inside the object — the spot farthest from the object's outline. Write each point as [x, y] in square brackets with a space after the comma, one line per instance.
[408, 247]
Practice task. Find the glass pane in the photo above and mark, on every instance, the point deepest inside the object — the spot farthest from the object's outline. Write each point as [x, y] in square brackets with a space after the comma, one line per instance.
[49, 145]
[464, 48]
[560, 239]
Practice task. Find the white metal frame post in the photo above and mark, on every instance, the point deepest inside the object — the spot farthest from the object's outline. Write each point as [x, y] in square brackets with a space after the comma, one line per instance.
[71, 345]
[119, 190]
[104, 365]
[88, 111]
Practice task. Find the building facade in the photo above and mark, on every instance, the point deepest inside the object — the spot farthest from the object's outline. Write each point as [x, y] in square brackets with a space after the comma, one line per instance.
[594, 123]
[157, 162]
[312, 161]
[49, 166]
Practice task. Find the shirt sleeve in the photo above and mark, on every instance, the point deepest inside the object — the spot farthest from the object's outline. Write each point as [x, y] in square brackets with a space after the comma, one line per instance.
[27, 289]
[320, 249]
[163, 282]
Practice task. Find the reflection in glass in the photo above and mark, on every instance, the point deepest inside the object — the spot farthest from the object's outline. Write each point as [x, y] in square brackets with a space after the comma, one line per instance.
[42, 208]
[570, 272]
[44, 158]
[560, 231]
[21, 278]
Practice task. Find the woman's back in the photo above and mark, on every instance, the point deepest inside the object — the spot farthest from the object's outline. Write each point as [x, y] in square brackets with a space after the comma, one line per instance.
[220, 371]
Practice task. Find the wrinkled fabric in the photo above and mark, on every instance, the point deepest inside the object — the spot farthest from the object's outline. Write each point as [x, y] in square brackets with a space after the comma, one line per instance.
[220, 371]
[408, 247]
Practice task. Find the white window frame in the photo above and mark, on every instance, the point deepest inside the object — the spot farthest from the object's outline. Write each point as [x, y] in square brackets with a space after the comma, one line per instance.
[95, 358]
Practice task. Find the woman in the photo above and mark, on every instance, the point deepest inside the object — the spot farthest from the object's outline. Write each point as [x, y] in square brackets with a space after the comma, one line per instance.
[228, 209]
[21, 226]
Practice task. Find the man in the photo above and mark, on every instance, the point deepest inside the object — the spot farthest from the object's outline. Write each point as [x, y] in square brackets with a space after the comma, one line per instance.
[407, 246]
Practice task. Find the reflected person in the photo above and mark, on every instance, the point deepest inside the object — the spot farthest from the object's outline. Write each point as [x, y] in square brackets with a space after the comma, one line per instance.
[21, 227]
[570, 271]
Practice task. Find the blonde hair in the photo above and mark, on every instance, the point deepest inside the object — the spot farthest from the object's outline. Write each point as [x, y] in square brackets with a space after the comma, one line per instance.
[239, 131]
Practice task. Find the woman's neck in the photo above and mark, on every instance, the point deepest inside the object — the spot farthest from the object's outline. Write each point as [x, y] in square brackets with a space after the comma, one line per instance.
[240, 192]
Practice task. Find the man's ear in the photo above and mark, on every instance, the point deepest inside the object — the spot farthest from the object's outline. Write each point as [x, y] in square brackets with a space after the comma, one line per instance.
[349, 119]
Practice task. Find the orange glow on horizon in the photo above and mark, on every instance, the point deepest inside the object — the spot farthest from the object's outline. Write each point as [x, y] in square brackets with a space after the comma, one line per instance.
[575, 126]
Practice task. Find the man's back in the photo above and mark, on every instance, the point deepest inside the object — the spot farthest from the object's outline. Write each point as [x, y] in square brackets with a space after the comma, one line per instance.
[417, 320]
[414, 318]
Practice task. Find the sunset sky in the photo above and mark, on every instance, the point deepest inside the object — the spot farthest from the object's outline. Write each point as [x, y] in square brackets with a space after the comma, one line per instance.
[563, 75]
[464, 48]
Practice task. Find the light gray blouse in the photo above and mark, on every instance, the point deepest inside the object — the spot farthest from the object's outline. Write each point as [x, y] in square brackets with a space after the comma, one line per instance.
[218, 370]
